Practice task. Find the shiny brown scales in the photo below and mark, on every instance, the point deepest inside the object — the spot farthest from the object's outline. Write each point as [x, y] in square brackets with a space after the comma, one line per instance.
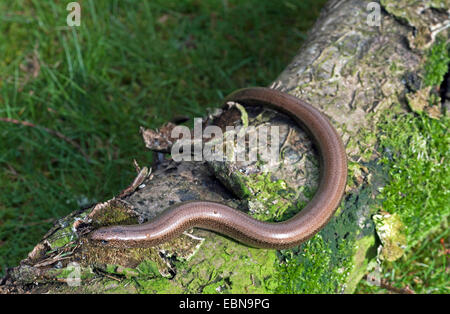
[236, 224]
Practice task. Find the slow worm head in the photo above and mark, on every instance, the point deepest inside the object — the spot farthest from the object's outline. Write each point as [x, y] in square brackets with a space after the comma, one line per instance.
[238, 225]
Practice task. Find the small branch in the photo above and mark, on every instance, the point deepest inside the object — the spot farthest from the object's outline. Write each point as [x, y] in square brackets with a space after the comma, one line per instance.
[40, 222]
[386, 285]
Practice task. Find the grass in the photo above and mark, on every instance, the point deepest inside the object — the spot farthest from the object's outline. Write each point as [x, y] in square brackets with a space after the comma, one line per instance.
[424, 269]
[130, 63]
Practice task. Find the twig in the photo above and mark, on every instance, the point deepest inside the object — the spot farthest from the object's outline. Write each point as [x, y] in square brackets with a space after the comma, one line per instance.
[44, 221]
[386, 285]
[140, 178]
[53, 132]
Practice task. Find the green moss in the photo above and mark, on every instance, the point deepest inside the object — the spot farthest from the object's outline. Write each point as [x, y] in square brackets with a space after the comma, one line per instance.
[237, 269]
[65, 234]
[336, 258]
[426, 99]
[416, 155]
[85, 273]
[271, 200]
[268, 199]
[365, 252]
[312, 270]
[61, 238]
[234, 181]
[225, 266]
[327, 262]
[437, 62]
[112, 213]
[148, 268]
[158, 285]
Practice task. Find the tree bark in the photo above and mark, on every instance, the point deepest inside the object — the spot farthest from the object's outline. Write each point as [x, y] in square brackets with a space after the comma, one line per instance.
[352, 72]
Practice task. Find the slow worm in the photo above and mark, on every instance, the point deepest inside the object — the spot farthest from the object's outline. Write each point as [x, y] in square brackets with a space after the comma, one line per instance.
[236, 224]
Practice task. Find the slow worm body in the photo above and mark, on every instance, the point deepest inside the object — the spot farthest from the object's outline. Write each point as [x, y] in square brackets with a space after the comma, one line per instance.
[238, 225]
